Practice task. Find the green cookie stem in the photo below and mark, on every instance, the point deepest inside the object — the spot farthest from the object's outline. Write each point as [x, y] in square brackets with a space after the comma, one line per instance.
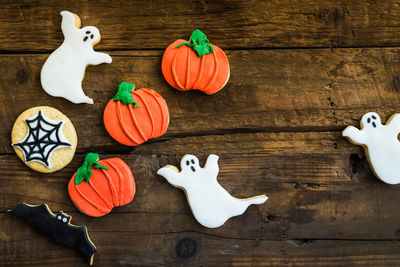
[84, 172]
[124, 94]
[199, 43]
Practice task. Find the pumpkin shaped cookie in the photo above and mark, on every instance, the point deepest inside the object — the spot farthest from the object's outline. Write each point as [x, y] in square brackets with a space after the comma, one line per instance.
[195, 65]
[99, 186]
[134, 116]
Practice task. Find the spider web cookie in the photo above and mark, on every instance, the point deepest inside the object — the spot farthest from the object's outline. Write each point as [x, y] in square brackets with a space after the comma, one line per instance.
[43, 137]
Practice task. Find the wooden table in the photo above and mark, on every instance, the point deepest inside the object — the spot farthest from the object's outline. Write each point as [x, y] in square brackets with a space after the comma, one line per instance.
[300, 72]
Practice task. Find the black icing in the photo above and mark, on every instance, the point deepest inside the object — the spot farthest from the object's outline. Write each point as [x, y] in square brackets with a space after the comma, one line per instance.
[57, 227]
[37, 149]
[187, 163]
[371, 120]
[193, 169]
[88, 35]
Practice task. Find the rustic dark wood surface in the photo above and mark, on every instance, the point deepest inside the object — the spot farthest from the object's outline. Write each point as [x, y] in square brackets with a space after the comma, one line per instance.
[300, 72]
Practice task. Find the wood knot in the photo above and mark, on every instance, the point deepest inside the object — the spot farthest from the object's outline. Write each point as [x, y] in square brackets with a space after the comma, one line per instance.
[397, 232]
[356, 162]
[186, 247]
[22, 76]
[396, 83]
[333, 16]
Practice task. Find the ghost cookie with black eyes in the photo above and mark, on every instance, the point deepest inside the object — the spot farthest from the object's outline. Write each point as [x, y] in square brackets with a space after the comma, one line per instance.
[44, 139]
[64, 69]
[380, 143]
[211, 204]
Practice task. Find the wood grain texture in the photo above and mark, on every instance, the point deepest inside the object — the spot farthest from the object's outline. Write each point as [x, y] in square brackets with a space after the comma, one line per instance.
[316, 196]
[300, 72]
[191, 248]
[288, 90]
[35, 25]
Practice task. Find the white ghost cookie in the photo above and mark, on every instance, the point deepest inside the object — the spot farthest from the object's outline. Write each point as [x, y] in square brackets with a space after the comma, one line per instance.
[64, 69]
[380, 143]
[211, 204]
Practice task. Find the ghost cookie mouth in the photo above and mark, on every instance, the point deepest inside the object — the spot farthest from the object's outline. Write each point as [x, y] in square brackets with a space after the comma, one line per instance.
[380, 143]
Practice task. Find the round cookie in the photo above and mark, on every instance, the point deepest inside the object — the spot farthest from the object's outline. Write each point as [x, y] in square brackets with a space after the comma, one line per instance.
[44, 139]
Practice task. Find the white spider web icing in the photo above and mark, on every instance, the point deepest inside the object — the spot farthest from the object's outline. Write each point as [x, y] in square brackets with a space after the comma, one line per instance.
[44, 136]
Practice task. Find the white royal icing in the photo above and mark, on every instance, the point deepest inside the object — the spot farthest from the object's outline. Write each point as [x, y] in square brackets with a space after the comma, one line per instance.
[211, 204]
[43, 137]
[381, 144]
[64, 69]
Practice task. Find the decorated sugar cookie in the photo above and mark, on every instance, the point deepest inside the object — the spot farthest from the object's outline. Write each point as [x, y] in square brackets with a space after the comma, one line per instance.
[64, 69]
[99, 186]
[58, 227]
[195, 65]
[211, 204]
[381, 145]
[44, 139]
[135, 116]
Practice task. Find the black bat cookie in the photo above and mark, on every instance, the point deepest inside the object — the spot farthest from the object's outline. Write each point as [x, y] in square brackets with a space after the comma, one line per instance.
[57, 227]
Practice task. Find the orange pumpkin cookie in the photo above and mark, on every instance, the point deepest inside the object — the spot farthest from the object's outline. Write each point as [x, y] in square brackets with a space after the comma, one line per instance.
[134, 116]
[195, 65]
[99, 186]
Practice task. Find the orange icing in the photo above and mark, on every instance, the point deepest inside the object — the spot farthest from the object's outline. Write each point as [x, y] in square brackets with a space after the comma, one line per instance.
[133, 126]
[184, 70]
[106, 188]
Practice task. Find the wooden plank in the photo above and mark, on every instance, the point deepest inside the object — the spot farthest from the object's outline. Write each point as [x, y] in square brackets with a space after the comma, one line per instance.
[127, 247]
[315, 196]
[35, 25]
[289, 90]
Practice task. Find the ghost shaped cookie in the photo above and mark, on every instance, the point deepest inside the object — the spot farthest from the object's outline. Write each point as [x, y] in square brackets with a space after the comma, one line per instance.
[380, 143]
[211, 204]
[64, 69]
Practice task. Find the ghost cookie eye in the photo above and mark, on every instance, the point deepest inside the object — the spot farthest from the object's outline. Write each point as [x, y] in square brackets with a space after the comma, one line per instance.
[88, 35]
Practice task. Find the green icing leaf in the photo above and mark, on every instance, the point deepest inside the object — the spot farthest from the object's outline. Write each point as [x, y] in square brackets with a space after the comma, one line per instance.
[199, 43]
[124, 94]
[84, 172]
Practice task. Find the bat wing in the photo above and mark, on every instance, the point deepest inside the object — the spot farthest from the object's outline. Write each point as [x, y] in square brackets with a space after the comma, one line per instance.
[77, 237]
[38, 217]
[44, 221]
